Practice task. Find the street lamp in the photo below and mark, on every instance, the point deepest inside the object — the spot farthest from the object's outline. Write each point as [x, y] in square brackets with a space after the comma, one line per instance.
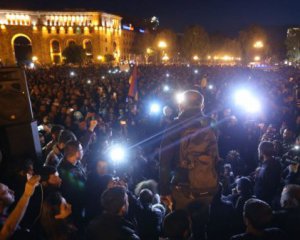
[258, 44]
[148, 50]
[196, 58]
[257, 58]
[162, 44]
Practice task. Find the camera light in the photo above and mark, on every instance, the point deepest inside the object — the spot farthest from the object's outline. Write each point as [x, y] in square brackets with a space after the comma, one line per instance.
[88, 81]
[247, 101]
[155, 108]
[166, 88]
[210, 86]
[72, 73]
[117, 154]
[167, 75]
[179, 98]
[196, 71]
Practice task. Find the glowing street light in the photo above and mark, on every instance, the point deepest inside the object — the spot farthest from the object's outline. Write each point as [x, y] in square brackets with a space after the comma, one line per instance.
[162, 44]
[196, 58]
[34, 58]
[148, 50]
[257, 58]
[258, 44]
[165, 58]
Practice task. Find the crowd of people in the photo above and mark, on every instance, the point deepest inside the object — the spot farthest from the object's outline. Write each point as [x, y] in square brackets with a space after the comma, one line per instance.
[78, 190]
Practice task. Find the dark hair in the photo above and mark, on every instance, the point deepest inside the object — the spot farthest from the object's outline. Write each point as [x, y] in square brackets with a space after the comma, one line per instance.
[176, 224]
[245, 186]
[71, 148]
[66, 136]
[113, 199]
[266, 148]
[46, 171]
[258, 213]
[54, 228]
[290, 196]
[50, 208]
[56, 129]
[146, 197]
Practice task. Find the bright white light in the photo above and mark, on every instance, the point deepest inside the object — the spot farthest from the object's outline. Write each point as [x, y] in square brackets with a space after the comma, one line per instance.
[34, 58]
[109, 71]
[297, 147]
[155, 108]
[167, 75]
[103, 77]
[247, 101]
[117, 154]
[210, 86]
[72, 74]
[31, 65]
[180, 98]
[188, 65]
[196, 71]
[166, 88]
[88, 81]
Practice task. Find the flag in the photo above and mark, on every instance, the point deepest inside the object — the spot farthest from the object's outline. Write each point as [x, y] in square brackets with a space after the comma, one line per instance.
[133, 89]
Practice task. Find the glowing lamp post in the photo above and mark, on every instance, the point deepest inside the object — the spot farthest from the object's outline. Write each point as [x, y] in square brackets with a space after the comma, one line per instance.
[258, 44]
[162, 45]
[257, 58]
[195, 58]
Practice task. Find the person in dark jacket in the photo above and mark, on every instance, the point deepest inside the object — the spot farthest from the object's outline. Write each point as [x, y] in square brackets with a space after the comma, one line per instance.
[177, 225]
[97, 182]
[257, 218]
[73, 179]
[267, 181]
[222, 218]
[149, 219]
[288, 218]
[55, 222]
[111, 224]
[189, 149]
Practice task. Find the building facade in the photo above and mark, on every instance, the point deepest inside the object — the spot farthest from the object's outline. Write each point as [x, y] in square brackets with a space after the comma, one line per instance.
[41, 36]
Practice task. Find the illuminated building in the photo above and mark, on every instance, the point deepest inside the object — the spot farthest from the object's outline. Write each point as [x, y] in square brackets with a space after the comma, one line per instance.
[45, 34]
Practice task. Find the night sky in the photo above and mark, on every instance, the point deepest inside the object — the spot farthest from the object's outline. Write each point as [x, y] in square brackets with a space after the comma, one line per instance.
[226, 16]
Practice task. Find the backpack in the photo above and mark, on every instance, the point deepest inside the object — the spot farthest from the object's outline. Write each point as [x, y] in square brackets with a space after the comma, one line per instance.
[199, 153]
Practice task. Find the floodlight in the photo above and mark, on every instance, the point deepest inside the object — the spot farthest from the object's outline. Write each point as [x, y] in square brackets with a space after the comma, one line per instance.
[155, 108]
[117, 154]
[247, 101]
[166, 88]
[179, 98]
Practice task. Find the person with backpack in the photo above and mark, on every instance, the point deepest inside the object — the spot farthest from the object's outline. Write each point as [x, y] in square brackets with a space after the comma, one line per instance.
[188, 157]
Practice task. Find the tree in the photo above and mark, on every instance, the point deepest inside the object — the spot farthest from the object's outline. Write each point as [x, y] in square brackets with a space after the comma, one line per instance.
[170, 38]
[247, 39]
[195, 42]
[293, 45]
[74, 54]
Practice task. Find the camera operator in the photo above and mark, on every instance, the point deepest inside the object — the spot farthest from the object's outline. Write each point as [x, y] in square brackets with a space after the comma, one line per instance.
[291, 161]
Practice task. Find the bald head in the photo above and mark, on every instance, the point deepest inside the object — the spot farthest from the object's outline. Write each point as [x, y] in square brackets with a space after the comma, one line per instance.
[192, 99]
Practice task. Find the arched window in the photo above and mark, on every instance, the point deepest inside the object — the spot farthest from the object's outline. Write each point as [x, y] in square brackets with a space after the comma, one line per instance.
[55, 51]
[55, 46]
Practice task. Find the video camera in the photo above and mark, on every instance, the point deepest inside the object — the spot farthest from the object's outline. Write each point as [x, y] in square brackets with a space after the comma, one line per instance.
[293, 156]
